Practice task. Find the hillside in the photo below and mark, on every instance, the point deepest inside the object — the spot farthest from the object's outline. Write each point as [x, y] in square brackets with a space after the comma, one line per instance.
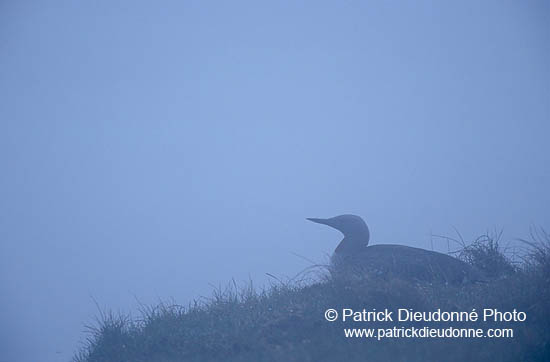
[286, 322]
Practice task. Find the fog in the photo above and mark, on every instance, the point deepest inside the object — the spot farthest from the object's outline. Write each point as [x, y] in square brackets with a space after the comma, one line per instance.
[151, 151]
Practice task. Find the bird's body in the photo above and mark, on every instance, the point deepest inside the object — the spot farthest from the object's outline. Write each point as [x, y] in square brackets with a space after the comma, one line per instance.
[353, 257]
[403, 261]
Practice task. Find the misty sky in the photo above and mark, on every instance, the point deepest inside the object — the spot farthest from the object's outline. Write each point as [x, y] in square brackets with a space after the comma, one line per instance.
[150, 150]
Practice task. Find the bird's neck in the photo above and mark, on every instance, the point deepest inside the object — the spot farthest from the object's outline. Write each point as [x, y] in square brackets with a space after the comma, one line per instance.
[351, 245]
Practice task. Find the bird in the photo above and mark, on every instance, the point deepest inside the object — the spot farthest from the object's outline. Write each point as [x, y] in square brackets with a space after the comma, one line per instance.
[353, 257]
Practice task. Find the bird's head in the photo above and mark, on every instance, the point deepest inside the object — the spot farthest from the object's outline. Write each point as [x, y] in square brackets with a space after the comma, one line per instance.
[352, 226]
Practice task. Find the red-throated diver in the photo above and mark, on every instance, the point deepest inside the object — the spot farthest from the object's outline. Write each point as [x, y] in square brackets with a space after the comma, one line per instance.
[354, 257]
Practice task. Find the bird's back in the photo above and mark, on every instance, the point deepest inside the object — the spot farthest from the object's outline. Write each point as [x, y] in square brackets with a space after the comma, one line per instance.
[404, 262]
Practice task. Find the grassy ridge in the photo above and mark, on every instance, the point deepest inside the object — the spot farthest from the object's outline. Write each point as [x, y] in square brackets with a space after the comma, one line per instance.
[286, 322]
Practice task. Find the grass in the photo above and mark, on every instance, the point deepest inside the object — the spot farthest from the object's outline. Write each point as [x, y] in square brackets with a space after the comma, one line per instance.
[285, 322]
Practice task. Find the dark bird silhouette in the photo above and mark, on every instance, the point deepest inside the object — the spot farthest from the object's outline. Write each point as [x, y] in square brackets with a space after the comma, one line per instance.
[353, 257]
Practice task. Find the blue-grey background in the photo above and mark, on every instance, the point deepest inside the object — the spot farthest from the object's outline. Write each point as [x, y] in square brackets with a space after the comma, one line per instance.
[149, 150]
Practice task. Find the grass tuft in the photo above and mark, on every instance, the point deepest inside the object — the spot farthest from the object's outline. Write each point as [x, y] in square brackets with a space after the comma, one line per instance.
[486, 254]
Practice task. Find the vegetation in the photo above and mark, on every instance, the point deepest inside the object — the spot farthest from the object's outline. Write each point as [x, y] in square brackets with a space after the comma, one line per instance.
[286, 321]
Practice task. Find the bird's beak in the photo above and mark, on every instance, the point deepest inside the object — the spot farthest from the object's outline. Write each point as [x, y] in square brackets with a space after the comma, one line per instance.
[329, 222]
[320, 221]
